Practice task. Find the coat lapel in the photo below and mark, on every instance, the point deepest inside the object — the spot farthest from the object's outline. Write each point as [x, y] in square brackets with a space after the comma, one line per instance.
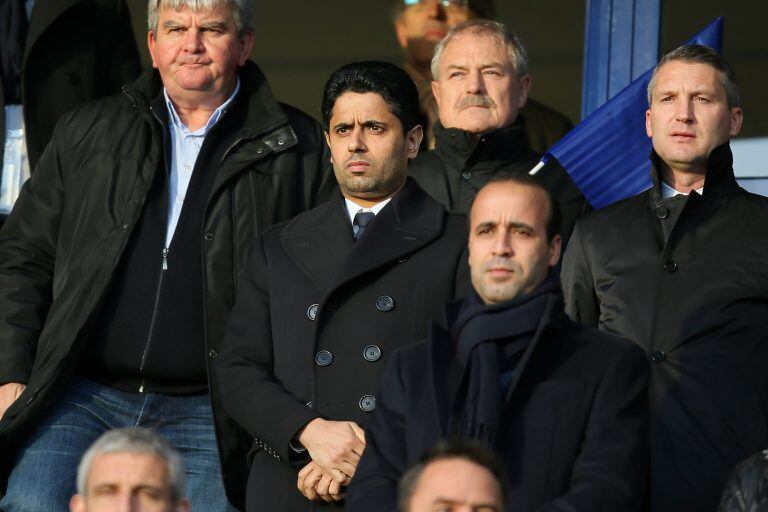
[43, 14]
[409, 222]
[318, 242]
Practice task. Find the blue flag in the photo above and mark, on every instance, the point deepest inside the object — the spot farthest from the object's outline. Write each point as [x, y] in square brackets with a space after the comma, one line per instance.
[606, 154]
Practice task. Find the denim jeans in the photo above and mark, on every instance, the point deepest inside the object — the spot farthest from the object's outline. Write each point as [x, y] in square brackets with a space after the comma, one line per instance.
[44, 474]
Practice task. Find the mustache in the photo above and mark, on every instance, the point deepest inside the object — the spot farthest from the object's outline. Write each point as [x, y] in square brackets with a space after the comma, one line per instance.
[505, 263]
[475, 100]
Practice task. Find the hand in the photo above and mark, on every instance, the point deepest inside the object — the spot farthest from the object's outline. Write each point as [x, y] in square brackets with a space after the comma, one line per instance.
[335, 446]
[8, 394]
[314, 483]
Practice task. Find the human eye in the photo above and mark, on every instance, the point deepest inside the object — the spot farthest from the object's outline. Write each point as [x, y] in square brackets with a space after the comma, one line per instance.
[492, 72]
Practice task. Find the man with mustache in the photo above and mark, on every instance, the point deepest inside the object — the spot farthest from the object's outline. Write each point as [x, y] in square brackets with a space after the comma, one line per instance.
[480, 83]
[563, 405]
[420, 25]
[118, 264]
[329, 296]
[681, 270]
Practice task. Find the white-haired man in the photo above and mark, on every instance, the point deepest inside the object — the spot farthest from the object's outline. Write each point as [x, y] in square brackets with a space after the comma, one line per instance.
[118, 264]
[130, 469]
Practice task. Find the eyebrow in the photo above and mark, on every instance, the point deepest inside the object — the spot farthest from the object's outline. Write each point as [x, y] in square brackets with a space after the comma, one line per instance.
[366, 124]
[513, 225]
[475, 506]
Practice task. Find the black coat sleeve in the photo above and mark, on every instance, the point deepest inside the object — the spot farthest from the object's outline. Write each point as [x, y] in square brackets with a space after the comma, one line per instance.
[374, 487]
[250, 392]
[611, 471]
[581, 302]
[28, 242]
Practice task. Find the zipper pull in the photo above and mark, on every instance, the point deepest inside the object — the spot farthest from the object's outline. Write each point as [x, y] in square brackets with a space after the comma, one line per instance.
[165, 258]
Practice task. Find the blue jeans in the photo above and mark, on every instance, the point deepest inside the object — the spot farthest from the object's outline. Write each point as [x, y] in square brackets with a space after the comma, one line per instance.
[44, 474]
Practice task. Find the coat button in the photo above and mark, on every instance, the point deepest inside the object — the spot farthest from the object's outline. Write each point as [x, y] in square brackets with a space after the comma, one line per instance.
[368, 403]
[385, 303]
[670, 266]
[659, 356]
[213, 354]
[466, 175]
[123, 226]
[371, 353]
[209, 236]
[312, 311]
[323, 358]
[310, 404]
[662, 212]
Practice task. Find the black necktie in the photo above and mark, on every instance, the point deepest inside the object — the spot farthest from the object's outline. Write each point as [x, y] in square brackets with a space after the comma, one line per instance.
[362, 219]
[13, 32]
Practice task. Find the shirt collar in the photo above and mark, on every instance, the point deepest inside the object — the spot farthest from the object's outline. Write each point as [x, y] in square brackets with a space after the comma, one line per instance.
[667, 191]
[353, 208]
[211, 121]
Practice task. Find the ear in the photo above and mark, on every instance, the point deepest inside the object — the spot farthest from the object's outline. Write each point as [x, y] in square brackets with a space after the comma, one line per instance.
[400, 32]
[413, 141]
[77, 503]
[555, 246]
[436, 92]
[525, 87]
[151, 41]
[246, 45]
[737, 118]
[648, 129]
[328, 141]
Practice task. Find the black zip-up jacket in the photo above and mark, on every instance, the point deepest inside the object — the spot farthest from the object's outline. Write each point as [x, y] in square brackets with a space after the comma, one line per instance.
[60, 247]
[461, 164]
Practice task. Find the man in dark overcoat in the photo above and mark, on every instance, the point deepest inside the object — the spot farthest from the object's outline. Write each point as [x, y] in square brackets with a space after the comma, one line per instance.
[481, 81]
[681, 270]
[564, 405]
[329, 296]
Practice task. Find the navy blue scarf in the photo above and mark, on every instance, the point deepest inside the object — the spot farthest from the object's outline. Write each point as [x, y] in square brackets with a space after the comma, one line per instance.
[489, 341]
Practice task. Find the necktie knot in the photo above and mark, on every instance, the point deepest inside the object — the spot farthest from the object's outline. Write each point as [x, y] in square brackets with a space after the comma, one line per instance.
[361, 221]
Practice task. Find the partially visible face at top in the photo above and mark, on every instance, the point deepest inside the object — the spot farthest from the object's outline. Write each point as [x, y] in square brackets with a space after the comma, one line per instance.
[369, 148]
[508, 249]
[456, 485]
[689, 115]
[422, 25]
[198, 52]
[128, 482]
[477, 88]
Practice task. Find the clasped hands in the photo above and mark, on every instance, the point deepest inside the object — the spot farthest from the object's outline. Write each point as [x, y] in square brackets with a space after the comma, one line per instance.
[335, 448]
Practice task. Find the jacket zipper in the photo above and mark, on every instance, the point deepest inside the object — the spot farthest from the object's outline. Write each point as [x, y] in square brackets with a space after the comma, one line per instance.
[151, 329]
[163, 269]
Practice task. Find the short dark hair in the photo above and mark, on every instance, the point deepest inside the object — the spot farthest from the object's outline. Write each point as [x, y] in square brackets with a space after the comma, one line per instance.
[467, 450]
[483, 8]
[383, 78]
[555, 215]
[700, 54]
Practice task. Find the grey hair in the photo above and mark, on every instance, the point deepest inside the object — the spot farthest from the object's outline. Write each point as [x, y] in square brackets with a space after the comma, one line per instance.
[134, 440]
[700, 54]
[497, 31]
[242, 11]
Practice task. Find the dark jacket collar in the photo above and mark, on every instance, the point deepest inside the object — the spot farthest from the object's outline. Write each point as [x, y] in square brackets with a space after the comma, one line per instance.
[508, 143]
[719, 179]
[321, 239]
[264, 113]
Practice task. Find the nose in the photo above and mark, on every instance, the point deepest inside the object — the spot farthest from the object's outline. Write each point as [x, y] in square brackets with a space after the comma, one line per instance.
[193, 41]
[475, 83]
[435, 9]
[355, 142]
[502, 244]
[684, 111]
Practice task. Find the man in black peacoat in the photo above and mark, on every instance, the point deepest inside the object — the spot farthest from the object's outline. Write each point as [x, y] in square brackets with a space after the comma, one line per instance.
[681, 270]
[564, 405]
[319, 313]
